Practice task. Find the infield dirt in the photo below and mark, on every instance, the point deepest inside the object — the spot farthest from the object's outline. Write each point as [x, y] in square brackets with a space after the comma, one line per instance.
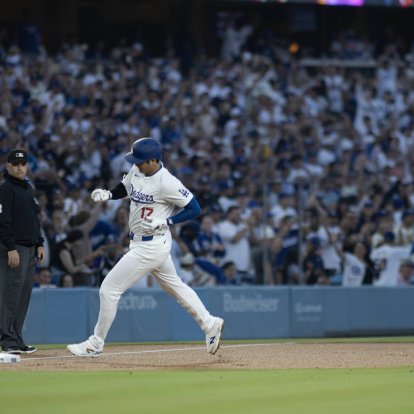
[243, 356]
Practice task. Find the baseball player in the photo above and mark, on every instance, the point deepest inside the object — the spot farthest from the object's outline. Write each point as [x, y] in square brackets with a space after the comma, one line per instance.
[158, 200]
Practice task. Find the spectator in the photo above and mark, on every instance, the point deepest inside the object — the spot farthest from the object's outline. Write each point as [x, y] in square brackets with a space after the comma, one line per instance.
[66, 281]
[235, 235]
[56, 228]
[357, 268]
[101, 234]
[330, 235]
[205, 194]
[120, 224]
[210, 244]
[112, 252]
[313, 266]
[235, 36]
[262, 237]
[43, 278]
[286, 252]
[188, 236]
[283, 208]
[406, 273]
[345, 135]
[230, 272]
[405, 230]
[387, 259]
[66, 260]
[226, 198]
[192, 274]
[73, 203]
[85, 221]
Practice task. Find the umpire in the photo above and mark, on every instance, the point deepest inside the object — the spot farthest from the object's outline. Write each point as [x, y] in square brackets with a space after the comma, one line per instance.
[20, 246]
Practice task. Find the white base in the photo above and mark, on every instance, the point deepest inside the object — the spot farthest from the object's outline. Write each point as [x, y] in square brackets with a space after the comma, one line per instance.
[8, 358]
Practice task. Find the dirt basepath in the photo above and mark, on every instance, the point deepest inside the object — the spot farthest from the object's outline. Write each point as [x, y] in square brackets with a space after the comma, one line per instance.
[246, 356]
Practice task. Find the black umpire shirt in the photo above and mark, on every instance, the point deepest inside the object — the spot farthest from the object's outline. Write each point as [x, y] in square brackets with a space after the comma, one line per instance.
[19, 222]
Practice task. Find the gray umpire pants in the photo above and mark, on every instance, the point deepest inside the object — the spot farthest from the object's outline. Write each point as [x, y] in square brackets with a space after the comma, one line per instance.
[15, 290]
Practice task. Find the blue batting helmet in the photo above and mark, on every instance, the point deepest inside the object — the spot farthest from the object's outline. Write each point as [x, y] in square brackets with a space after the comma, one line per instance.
[144, 149]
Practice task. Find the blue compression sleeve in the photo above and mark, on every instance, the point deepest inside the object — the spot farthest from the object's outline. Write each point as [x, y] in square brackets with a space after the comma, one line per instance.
[190, 211]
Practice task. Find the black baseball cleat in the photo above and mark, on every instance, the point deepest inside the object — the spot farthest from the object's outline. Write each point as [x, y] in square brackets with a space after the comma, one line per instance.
[27, 349]
[12, 349]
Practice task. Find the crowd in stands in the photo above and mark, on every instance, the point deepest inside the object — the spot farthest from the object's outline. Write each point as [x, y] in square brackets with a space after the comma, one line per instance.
[304, 175]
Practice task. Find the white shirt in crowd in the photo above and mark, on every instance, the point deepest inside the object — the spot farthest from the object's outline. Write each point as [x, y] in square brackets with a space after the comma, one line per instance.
[388, 259]
[330, 257]
[354, 270]
[238, 252]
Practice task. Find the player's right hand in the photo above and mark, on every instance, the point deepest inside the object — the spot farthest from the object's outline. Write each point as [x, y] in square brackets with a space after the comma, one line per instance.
[100, 195]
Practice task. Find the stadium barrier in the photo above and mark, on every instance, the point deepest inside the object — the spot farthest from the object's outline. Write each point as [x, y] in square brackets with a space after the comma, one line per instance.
[145, 315]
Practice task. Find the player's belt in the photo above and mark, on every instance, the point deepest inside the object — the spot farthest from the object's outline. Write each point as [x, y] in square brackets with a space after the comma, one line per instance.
[141, 238]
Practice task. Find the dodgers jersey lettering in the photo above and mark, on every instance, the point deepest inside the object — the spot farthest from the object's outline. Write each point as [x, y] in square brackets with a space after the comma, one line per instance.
[156, 196]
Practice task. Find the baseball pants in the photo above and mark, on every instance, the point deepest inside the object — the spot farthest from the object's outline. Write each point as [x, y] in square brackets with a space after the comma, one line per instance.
[146, 257]
[16, 286]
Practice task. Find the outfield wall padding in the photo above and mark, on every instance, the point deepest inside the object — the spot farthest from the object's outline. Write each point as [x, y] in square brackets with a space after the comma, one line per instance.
[147, 315]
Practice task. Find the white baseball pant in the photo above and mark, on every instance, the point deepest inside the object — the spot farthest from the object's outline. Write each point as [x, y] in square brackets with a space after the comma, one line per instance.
[142, 258]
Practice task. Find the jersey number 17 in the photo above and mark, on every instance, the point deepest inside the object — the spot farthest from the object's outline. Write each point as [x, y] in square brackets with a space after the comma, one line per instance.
[146, 212]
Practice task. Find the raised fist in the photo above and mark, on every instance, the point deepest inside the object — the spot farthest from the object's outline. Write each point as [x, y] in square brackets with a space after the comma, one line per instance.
[100, 195]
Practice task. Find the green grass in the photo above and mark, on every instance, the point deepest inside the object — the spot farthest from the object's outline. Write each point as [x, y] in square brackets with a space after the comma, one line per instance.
[322, 391]
[296, 391]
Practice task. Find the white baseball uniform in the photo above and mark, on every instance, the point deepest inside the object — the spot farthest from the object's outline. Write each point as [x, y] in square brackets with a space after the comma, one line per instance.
[158, 196]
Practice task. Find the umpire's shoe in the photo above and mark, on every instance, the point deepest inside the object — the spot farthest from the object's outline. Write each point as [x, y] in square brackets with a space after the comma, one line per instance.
[27, 349]
[213, 336]
[12, 349]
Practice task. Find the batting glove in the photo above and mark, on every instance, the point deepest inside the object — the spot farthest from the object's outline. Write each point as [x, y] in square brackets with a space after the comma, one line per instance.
[154, 224]
[100, 195]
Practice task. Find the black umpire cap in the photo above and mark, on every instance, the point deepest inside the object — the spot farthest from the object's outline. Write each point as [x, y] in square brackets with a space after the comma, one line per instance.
[17, 155]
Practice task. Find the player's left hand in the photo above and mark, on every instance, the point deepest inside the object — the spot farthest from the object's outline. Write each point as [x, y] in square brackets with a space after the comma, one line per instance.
[150, 225]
